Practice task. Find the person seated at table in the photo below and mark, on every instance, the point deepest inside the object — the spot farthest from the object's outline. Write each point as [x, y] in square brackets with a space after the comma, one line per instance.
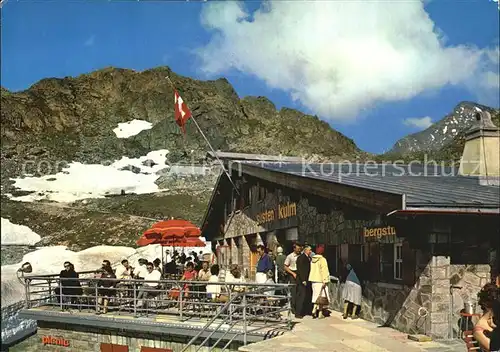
[204, 273]
[269, 280]
[229, 276]
[213, 291]
[106, 286]
[237, 278]
[142, 270]
[124, 271]
[151, 284]
[486, 298]
[157, 265]
[189, 275]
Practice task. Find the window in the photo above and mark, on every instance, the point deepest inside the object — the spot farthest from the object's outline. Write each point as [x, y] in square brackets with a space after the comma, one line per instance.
[355, 254]
[387, 262]
[398, 261]
[249, 196]
[394, 262]
[262, 193]
[332, 259]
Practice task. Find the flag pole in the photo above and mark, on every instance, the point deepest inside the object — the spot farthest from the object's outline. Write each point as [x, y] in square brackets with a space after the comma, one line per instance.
[209, 145]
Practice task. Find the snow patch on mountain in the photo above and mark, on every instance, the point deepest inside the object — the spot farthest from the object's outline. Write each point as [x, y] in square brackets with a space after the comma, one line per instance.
[13, 234]
[80, 181]
[131, 128]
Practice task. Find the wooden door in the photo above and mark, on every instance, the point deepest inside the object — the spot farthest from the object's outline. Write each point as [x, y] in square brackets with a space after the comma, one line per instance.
[254, 258]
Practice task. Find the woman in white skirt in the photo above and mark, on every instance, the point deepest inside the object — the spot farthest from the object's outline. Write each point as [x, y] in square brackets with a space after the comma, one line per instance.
[319, 277]
[351, 293]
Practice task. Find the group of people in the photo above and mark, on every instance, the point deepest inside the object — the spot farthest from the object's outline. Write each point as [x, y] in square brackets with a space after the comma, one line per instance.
[308, 272]
[487, 330]
[113, 281]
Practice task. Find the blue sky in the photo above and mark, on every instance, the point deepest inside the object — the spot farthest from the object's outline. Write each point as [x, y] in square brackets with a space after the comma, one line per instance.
[63, 38]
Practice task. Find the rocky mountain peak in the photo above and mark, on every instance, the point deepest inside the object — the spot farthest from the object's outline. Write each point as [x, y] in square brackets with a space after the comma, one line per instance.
[443, 132]
[73, 118]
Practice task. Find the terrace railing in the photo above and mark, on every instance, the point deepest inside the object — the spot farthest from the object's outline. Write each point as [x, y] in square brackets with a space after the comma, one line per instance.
[242, 308]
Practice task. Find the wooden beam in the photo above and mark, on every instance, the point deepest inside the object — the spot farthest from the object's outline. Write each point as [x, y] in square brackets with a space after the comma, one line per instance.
[375, 201]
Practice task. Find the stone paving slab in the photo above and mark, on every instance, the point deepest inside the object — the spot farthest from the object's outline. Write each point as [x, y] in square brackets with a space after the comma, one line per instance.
[334, 334]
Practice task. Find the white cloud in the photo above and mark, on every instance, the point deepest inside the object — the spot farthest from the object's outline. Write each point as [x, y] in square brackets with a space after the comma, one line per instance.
[90, 41]
[338, 58]
[419, 122]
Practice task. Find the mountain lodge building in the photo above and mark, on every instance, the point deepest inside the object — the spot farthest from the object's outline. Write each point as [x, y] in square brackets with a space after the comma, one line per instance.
[419, 236]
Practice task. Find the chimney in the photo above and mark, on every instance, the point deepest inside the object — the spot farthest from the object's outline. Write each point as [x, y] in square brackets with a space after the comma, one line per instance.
[481, 151]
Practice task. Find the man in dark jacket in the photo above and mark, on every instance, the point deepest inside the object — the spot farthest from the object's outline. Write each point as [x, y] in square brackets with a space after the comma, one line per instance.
[303, 298]
[264, 265]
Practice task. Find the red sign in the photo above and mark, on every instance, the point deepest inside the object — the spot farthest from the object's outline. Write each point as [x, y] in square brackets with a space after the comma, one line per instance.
[58, 341]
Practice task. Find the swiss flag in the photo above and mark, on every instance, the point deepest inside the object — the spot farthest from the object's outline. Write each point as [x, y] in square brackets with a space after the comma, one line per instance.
[182, 112]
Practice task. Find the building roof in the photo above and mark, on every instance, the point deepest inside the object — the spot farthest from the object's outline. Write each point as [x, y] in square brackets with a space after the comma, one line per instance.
[421, 186]
[255, 157]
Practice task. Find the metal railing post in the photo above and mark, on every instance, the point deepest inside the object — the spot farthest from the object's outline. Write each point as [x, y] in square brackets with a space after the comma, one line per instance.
[60, 294]
[244, 319]
[289, 306]
[181, 302]
[50, 290]
[96, 297]
[26, 292]
[230, 307]
[135, 299]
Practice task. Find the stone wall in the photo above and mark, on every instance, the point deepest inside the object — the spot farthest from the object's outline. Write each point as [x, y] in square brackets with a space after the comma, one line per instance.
[469, 277]
[402, 307]
[89, 339]
[314, 226]
[424, 308]
[14, 327]
[388, 305]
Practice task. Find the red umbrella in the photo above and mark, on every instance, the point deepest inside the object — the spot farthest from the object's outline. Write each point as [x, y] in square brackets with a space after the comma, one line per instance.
[171, 233]
[168, 231]
[179, 224]
[184, 242]
[172, 242]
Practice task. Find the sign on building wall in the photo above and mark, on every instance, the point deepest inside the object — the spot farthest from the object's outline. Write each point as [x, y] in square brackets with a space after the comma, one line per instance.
[284, 211]
[379, 234]
[56, 341]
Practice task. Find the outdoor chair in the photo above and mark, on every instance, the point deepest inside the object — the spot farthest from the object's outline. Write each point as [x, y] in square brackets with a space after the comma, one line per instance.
[470, 341]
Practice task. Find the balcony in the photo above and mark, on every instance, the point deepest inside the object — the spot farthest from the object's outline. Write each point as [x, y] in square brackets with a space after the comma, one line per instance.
[241, 312]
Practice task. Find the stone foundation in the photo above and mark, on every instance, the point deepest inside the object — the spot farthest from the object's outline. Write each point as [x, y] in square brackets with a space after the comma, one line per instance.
[388, 305]
[424, 308]
[471, 278]
[79, 338]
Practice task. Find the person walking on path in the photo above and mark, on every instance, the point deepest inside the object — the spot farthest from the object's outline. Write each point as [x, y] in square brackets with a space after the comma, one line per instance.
[319, 277]
[303, 299]
[264, 264]
[351, 293]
